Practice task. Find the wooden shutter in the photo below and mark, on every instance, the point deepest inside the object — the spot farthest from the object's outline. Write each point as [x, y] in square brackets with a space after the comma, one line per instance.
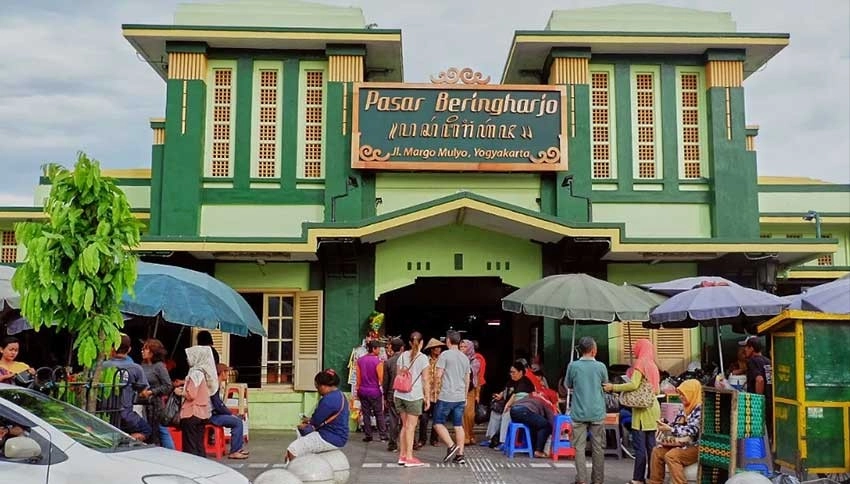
[631, 332]
[307, 357]
[672, 349]
[221, 343]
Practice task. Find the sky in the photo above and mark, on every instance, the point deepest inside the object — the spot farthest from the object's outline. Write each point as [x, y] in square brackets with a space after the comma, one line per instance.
[71, 82]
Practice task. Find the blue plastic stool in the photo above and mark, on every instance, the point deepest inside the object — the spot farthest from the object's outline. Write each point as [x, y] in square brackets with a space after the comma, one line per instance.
[562, 447]
[754, 455]
[513, 443]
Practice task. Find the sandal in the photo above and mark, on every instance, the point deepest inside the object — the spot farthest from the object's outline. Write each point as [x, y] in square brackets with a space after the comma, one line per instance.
[238, 455]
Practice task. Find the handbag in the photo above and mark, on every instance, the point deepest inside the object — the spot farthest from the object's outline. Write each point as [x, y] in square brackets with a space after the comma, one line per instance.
[641, 397]
[403, 381]
[171, 412]
[481, 413]
[666, 439]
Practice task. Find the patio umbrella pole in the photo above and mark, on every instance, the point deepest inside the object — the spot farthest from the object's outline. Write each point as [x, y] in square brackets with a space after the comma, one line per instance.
[629, 334]
[719, 346]
[572, 358]
[156, 325]
[177, 343]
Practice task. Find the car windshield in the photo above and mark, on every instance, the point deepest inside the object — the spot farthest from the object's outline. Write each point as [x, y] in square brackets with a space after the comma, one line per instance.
[81, 426]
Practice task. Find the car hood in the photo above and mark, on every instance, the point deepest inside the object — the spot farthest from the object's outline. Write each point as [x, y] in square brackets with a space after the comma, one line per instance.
[158, 460]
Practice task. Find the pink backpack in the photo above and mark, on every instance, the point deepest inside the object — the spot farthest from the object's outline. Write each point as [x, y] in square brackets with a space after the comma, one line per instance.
[403, 382]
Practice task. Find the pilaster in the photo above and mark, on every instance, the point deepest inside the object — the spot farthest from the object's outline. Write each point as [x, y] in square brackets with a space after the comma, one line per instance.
[183, 140]
[569, 67]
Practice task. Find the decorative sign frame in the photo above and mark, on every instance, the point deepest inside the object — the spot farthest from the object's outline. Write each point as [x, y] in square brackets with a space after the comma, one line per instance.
[459, 123]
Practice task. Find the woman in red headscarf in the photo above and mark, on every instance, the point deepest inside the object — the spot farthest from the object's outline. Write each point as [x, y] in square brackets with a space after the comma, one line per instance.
[644, 420]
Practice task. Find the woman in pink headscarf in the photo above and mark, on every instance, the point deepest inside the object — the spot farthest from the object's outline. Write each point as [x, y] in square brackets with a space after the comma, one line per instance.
[644, 420]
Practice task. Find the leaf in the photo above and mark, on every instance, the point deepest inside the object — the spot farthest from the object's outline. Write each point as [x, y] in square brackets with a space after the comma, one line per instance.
[89, 299]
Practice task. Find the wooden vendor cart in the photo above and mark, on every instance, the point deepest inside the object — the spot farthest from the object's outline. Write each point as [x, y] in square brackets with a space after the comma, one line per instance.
[810, 354]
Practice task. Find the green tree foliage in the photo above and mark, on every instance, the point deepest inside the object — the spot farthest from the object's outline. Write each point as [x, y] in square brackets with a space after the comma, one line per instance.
[79, 262]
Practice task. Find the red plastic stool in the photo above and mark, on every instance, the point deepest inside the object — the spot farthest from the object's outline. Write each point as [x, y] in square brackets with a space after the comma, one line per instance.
[218, 445]
[562, 447]
[177, 437]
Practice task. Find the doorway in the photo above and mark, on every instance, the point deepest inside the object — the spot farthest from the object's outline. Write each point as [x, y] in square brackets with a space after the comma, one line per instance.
[471, 305]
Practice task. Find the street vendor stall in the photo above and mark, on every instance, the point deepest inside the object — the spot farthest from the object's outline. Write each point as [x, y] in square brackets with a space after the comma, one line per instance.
[811, 390]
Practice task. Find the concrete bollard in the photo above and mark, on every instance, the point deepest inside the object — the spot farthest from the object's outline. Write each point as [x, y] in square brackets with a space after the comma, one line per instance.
[748, 478]
[339, 463]
[312, 469]
[277, 476]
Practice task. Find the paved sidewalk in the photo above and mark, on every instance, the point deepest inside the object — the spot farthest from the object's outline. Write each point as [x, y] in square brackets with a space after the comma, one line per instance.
[371, 463]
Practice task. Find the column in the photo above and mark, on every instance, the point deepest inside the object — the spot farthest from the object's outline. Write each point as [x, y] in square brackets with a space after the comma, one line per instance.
[732, 169]
[157, 154]
[183, 158]
[346, 66]
[569, 67]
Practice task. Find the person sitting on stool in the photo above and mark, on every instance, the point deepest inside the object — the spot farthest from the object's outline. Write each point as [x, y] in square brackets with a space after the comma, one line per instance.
[223, 417]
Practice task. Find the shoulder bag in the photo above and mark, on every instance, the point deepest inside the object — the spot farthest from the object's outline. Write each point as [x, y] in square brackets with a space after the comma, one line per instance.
[641, 397]
[404, 381]
[666, 439]
[327, 420]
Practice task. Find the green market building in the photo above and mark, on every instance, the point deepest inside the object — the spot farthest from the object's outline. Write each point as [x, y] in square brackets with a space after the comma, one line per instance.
[294, 164]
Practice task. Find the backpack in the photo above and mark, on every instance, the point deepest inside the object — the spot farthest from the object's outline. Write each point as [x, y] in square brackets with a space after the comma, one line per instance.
[404, 381]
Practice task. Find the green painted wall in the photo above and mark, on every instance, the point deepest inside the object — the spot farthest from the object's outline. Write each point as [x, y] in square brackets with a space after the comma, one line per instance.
[802, 202]
[400, 190]
[183, 158]
[272, 275]
[657, 220]
[157, 155]
[646, 273]
[839, 232]
[399, 262]
[278, 410]
[733, 169]
[257, 220]
[349, 299]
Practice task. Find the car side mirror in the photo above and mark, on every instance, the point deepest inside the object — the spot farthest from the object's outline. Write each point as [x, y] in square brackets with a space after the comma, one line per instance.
[21, 448]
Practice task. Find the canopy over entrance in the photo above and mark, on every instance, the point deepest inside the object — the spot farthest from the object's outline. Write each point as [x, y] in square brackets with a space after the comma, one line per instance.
[465, 208]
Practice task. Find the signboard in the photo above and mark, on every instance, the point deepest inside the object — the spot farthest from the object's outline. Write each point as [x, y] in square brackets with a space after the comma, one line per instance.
[458, 127]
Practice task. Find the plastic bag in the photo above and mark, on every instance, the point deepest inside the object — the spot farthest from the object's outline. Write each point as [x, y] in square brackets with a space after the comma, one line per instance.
[171, 412]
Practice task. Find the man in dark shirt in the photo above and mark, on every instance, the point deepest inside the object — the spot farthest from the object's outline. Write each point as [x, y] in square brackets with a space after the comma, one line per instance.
[133, 381]
[760, 377]
[394, 350]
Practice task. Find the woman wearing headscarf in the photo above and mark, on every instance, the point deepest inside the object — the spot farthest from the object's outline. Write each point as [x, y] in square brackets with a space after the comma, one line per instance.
[201, 383]
[644, 420]
[686, 424]
[468, 348]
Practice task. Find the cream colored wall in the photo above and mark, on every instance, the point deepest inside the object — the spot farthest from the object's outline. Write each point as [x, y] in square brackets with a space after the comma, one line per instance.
[400, 190]
[257, 220]
[802, 202]
[657, 220]
[137, 196]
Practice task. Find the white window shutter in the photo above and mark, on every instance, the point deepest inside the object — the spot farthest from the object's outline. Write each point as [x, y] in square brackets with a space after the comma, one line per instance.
[631, 332]
[308, 339]
[672, 349]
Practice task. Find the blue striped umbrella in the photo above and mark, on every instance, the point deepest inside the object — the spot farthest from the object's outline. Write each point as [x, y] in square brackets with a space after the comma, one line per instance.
[190, 298]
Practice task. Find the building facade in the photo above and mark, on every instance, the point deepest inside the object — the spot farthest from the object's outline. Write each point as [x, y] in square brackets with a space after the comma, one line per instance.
[295, 164]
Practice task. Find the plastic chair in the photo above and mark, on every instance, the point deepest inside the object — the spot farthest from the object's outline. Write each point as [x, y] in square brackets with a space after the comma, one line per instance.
[513, 440]
[177, 437]
[612, 424]
[562, 447]
[239, 393]
[753, 455]
[218, 444]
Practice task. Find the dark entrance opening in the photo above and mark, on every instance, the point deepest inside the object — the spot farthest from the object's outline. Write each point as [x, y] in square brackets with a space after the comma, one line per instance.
[472, 305]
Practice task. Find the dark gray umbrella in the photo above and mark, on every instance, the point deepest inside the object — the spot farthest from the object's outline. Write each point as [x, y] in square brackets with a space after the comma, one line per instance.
[832, 297]
[715, 305]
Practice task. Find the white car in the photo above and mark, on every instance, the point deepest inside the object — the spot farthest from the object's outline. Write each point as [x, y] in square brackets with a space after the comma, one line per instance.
[65, 445]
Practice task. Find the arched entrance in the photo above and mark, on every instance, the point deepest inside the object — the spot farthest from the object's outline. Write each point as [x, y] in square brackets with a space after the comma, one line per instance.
[472, 305]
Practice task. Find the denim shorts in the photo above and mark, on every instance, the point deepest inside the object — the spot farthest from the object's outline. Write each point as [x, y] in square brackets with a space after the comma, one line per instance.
[449, 412]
